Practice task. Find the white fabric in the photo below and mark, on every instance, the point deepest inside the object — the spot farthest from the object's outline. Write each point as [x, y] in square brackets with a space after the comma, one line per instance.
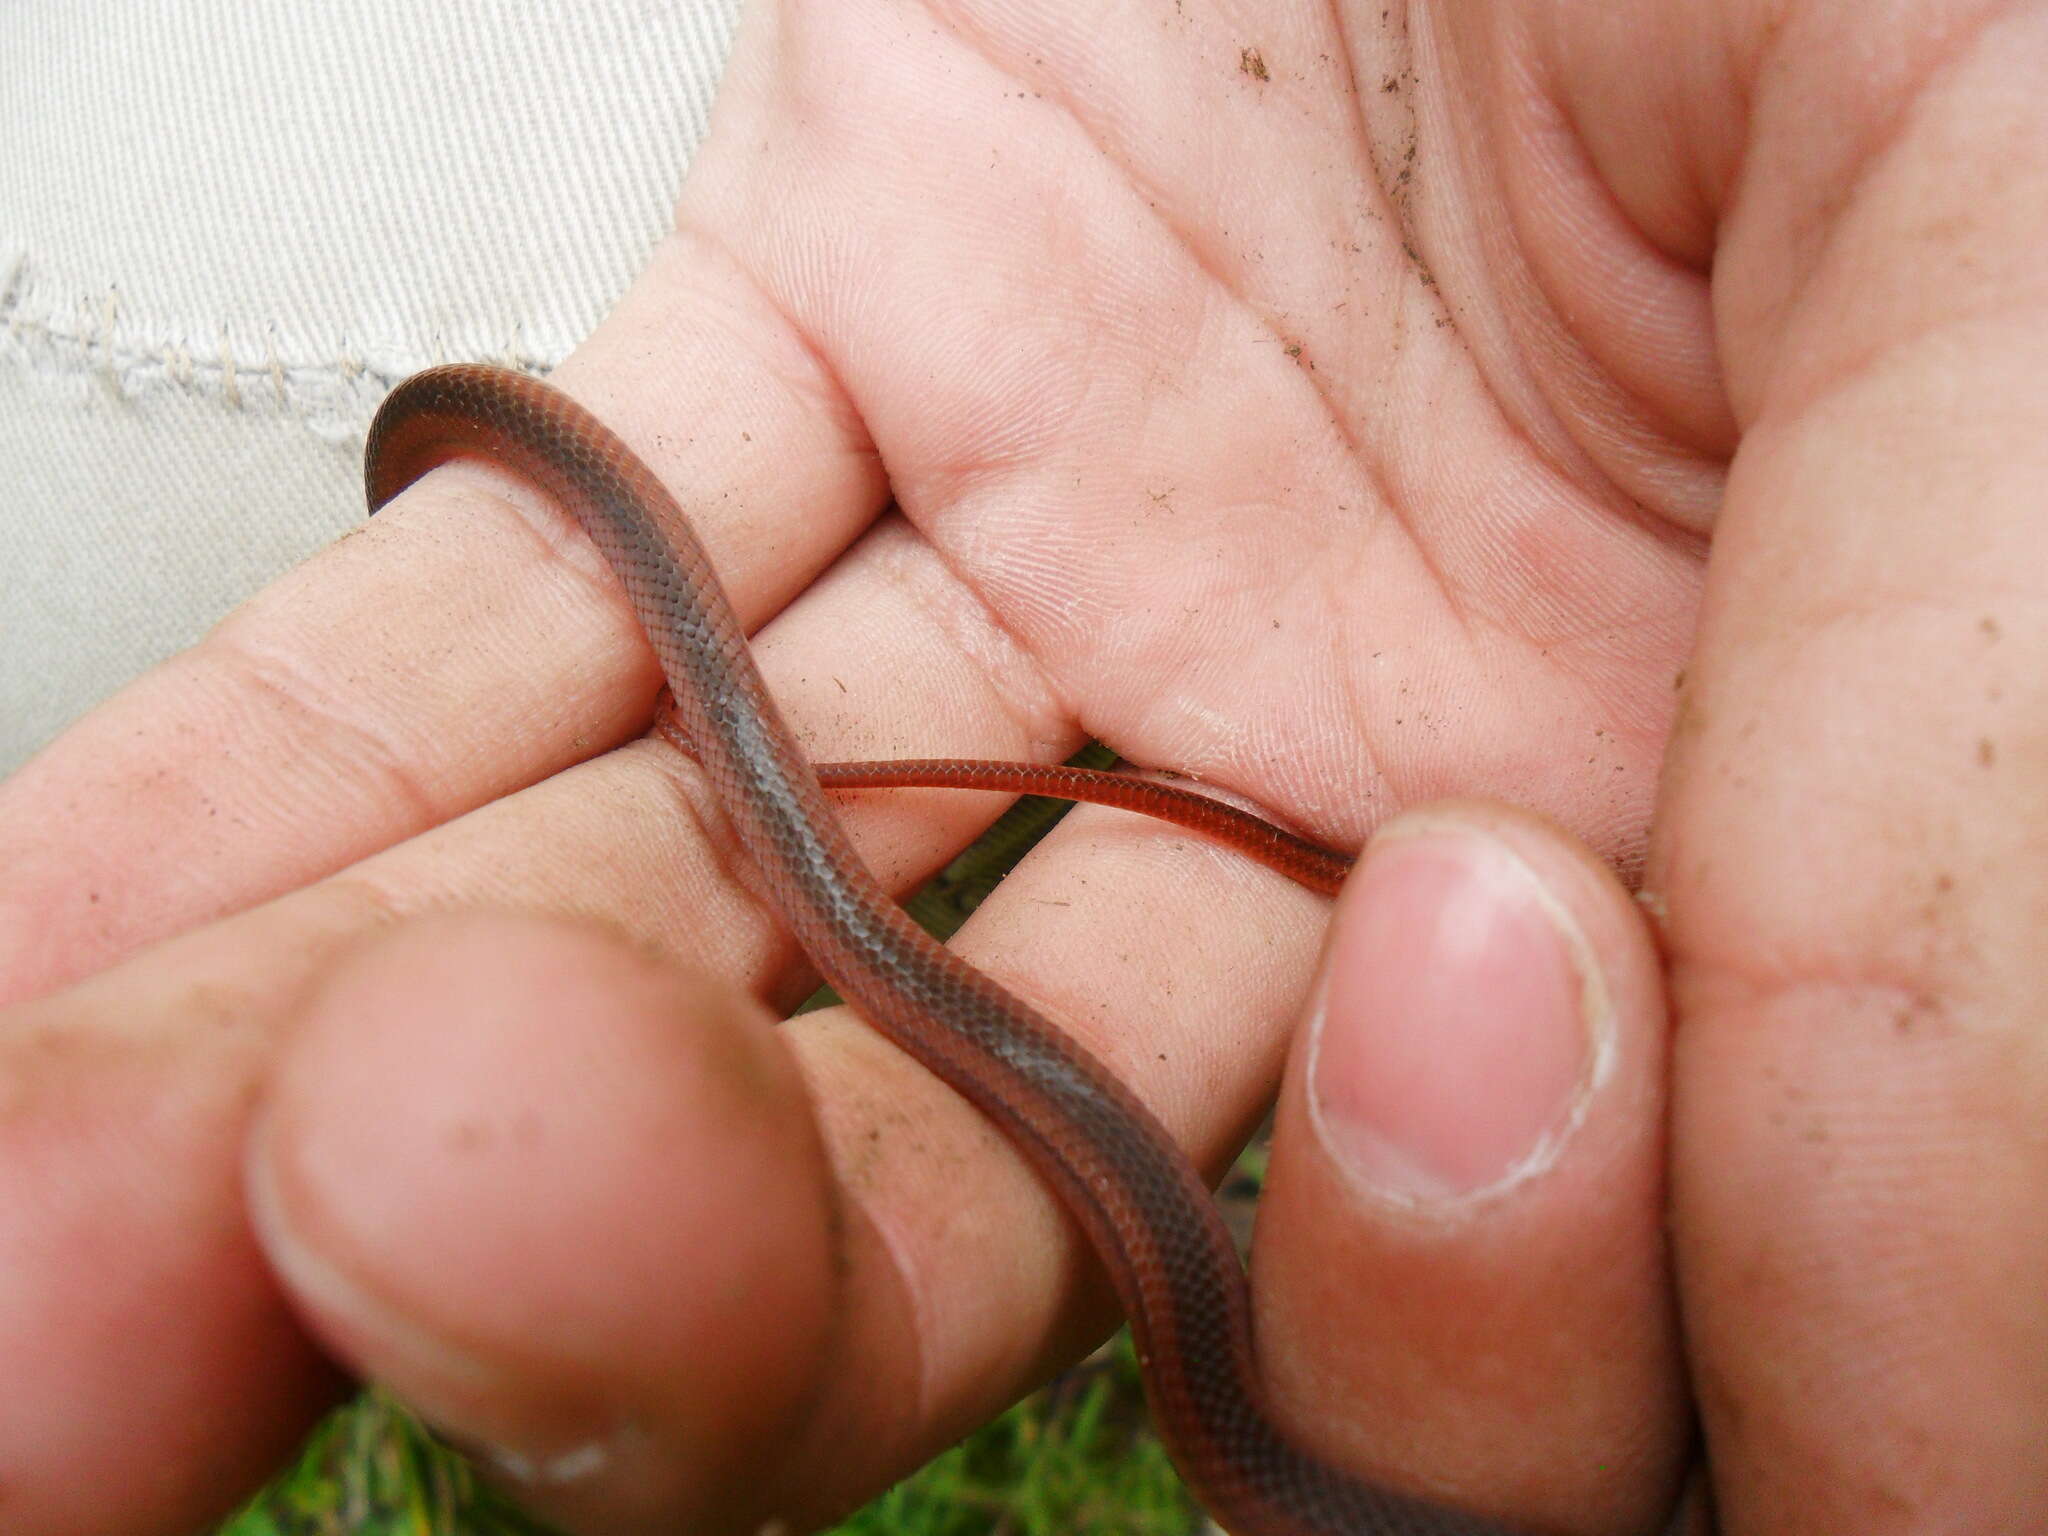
[228, 226]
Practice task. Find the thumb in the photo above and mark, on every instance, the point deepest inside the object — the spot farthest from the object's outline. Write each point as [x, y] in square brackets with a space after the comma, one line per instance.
[567, 1202]
[1461, 1278]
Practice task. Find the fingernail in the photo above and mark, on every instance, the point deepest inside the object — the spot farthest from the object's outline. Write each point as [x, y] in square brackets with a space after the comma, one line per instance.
[1462, 1022]
[557, 1469]
[350, 1314]
[443, 1383]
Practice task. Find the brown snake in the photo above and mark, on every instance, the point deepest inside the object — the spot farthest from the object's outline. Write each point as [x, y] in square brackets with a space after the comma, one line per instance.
[1142, 1205]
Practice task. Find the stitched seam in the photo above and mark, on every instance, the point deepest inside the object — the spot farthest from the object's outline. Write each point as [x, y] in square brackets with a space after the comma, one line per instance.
[80, 334]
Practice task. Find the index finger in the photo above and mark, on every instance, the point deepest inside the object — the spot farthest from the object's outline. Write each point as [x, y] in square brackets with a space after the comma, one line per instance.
[1850, 846]
[394, 682]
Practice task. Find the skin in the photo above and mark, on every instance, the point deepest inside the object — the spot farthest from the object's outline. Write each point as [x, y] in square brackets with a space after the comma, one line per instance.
[1227, 429]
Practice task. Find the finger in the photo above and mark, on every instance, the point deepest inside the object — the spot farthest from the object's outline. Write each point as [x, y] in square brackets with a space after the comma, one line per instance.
[569, 1203]
[128, 1274]
[962, 1282]
[395, 681]
[579, 843]
[1460, 1268]
[188, 1025]
[130, 1095]
[1850, 853]
[958, 1279]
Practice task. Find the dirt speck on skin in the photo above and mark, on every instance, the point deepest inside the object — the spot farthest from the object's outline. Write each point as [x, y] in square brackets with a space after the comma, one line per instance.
[1253, 63]
[1421, 267]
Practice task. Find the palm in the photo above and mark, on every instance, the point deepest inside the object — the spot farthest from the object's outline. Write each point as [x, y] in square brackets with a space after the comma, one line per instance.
[1171, 390]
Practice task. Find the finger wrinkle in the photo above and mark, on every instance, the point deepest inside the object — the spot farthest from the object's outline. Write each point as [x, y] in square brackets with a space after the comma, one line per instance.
[1923, 959]
[1637, 387]
[329, 734]
[1920, 354]
[1021, 689]
[557, 549]
[1808, 243]
[1886, 998]
[602, 842]
[743, 311]
[784, 975]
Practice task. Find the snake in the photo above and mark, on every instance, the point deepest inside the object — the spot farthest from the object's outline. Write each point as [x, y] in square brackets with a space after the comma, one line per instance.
[1144, 1209]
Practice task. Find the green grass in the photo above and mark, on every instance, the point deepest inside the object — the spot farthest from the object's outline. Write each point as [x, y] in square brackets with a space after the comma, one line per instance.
[371, 1469]
[1074, 1460]
[1077, 1459]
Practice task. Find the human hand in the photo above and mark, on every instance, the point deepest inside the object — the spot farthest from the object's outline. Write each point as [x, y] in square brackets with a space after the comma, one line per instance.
[1845, 854]
[1082, 387]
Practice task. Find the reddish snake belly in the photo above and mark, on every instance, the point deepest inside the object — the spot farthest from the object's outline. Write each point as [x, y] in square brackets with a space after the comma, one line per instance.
[1143, 1207]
